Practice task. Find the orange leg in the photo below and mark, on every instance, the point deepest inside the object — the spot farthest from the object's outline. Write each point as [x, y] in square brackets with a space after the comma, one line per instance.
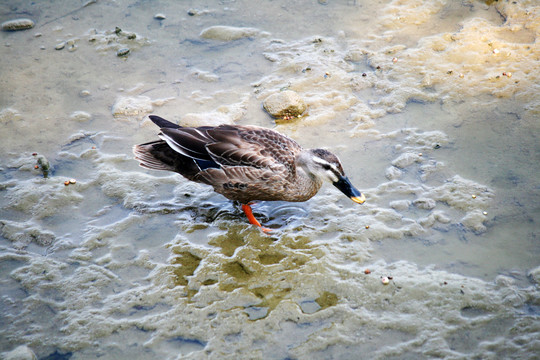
[251, 218]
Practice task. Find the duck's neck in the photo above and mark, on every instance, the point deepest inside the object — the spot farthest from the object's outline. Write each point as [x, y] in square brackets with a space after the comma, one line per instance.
[307, 182]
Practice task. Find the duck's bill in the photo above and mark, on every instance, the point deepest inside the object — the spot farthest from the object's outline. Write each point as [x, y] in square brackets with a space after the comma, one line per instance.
[345, 186]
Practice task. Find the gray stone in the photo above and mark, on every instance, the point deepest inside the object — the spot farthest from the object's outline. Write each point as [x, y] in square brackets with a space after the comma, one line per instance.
[17, 24]
[22, 352]
[284, 104]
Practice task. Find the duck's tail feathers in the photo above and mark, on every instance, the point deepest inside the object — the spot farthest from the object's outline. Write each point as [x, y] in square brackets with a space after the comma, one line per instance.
[162, 123]
[157, 155]
[146, 155]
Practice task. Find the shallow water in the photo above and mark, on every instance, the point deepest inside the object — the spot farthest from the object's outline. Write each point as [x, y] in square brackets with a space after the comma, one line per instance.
[432, 107]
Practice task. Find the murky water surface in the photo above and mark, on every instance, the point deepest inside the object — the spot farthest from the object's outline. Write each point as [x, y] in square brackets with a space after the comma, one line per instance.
[433, 107]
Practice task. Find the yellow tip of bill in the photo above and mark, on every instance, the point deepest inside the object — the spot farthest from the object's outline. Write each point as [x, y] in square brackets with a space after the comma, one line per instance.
[359, 199]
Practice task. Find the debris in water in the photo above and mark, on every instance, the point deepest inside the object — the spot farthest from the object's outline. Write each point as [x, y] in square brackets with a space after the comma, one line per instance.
[44, 165]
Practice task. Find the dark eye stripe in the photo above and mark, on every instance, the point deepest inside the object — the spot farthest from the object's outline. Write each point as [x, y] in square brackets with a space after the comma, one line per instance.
[332, 169]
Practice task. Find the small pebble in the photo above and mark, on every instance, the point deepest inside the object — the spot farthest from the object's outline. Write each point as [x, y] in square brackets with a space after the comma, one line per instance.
[34, 154]
[385, 280]
[122, 52]
[66, 183]
[367, 226]
[36, 166]
[60, 46]
[473, 196]
[367, 271]
[495, 51]
[419, 154]
[159, 17]
[72, 181]
[364, 74]
[485, 213]
[394, 59]
[17, 24]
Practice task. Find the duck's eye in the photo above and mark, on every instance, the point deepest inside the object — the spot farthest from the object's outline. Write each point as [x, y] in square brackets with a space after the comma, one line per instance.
[326, 167]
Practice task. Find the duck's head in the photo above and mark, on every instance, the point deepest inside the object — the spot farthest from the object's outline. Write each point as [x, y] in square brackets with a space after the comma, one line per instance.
[323, 165]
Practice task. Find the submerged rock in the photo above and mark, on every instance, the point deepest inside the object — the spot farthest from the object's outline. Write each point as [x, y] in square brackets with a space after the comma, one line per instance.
[424, 203]
[17, 24]
[80, 116]
[535, 274]
[406, 159]
[393, 173]
[22, 352]
[474, 220]
[205, 75]
[284, 104]
[228, 33]
[132, 106]
[8, 115]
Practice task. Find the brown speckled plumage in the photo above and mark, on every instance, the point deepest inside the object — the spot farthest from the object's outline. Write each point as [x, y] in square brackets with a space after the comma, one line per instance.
[243, 163]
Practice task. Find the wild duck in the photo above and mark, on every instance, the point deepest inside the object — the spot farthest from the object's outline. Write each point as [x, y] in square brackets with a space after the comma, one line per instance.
[244, 163]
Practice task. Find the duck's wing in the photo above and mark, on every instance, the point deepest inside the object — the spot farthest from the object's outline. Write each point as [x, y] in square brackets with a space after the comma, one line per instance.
[229, 145]
[236, 160]
[252, 146]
